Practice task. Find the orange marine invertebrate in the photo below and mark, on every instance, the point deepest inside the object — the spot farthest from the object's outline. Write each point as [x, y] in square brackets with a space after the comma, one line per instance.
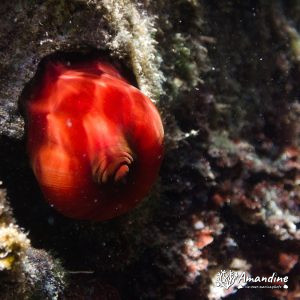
[95, 142]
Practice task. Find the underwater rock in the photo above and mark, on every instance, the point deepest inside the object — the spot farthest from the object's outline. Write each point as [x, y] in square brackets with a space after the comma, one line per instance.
[225, 75]
[25, 272]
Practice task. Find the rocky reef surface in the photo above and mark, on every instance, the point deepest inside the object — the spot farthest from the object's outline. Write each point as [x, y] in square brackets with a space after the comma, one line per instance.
[225, 76]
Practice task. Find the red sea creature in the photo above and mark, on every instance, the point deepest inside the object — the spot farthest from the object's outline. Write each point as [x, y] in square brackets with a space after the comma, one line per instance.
[95, 142]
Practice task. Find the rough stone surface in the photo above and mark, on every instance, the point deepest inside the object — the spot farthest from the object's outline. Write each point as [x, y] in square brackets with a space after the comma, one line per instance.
[225, 76]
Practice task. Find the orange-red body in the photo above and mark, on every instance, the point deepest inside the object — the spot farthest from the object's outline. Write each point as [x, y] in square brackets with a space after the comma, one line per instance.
[95, 142]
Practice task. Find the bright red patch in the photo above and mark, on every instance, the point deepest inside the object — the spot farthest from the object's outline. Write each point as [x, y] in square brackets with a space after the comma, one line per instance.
[95, 142]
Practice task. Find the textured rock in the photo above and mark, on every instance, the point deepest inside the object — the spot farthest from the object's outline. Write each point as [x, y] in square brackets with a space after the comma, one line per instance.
[225, 75]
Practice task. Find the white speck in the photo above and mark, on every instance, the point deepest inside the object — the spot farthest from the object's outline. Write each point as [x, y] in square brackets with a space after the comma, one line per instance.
[198, 225]
[260, 58]
[102, 84]
[46, 41]
[96, 200]
[213, 68]
[285, 286]
[69, 123]
[193, 132]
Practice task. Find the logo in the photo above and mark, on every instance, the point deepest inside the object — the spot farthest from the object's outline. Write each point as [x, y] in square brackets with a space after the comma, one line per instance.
[226, 279]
